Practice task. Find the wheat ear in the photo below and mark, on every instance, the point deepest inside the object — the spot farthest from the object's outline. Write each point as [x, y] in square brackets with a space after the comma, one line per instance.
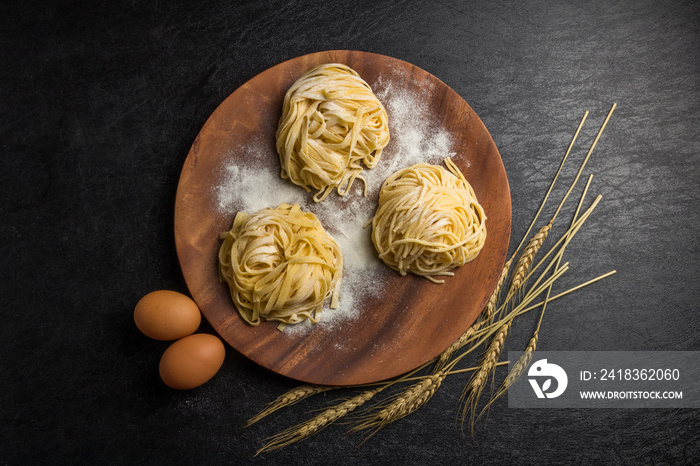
[490, 310]
[314, 425]
[523, 361]
[522, 267]
[476, 384]
[516, 371]
[485, 318]
[403, 404]
[289, 398]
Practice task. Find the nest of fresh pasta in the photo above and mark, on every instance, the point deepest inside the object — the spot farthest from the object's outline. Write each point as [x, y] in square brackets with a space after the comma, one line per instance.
[428, 221]
[332, 124]
[280, 265]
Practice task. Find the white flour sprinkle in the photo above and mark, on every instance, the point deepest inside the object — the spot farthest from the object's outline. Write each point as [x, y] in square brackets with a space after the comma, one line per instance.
[251, 181]
[254, 187]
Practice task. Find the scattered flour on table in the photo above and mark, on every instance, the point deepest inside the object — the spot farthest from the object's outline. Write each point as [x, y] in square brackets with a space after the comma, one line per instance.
[251, 181]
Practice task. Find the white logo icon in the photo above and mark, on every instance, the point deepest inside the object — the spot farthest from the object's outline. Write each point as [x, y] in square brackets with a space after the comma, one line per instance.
[543, 369]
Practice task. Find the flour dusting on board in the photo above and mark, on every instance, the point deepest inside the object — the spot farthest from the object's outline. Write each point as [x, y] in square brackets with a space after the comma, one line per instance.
[252, 183]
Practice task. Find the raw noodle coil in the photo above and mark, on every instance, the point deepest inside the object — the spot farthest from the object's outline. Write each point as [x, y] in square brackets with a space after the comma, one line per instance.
[331, 123]
[428, 221]
[281, 265]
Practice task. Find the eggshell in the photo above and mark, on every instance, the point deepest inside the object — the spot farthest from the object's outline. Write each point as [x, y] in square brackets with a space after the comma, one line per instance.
[191, 361]
[167, 315]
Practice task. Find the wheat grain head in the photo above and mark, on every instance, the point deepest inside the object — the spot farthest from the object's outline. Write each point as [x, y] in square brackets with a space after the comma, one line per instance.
[289, 398]
[522, 267]
[475, 386]
[314, 425]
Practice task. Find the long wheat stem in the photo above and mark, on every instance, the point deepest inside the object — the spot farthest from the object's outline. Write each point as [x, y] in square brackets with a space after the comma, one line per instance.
[551, 186]
[585, 160]
[526, 309]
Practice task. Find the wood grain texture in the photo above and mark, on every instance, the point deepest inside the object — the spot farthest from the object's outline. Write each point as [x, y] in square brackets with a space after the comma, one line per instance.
[411, 323]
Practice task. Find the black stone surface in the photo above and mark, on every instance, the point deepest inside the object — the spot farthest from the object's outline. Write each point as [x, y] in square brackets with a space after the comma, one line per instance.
[100, 102]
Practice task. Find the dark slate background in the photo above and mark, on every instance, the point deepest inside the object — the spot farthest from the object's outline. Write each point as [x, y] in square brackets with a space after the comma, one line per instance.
[100, 102]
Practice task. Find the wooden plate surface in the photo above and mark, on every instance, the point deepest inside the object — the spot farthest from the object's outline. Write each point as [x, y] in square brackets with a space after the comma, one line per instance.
[413, 320]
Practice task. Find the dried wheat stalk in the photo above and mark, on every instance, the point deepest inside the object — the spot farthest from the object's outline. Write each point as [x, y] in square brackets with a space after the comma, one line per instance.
[524, 360]
[522, 267]
[518, 278]
[400, 406]
[474, 388]
[289, 398]
[486, 318]
[478, 381]
[312, 426]
[517, 370]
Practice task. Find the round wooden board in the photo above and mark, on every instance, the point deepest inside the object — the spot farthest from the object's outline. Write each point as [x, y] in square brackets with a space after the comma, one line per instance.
[414, 320]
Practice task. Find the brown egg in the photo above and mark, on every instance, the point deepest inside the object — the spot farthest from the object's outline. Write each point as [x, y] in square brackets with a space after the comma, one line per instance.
[167, 315]
[191, 361]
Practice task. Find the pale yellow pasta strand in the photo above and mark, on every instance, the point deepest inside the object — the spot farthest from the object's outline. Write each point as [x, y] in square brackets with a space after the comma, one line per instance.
[428, 221]
[280, 265]
[331, 124]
